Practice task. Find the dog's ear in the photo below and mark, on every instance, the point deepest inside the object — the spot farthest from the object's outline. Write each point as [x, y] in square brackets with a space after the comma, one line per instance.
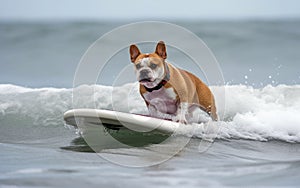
[134, 52]
[161, 49]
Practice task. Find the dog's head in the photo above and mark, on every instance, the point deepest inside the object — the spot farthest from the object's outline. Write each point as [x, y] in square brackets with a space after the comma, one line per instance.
[149, 68]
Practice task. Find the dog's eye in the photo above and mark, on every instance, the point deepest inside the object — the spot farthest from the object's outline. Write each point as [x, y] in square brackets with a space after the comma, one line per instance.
[153, 66]
[138, 66]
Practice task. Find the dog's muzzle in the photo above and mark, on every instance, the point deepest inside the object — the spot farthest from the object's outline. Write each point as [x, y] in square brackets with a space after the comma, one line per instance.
[145, 76]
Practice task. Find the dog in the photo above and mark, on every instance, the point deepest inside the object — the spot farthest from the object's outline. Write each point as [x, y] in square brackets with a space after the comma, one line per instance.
[170, 90]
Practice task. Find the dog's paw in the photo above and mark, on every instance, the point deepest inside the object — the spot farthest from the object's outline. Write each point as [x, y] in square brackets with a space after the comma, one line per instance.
[180, 119]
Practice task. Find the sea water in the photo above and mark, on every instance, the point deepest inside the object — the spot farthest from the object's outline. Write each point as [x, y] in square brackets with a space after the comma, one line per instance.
[259, 131]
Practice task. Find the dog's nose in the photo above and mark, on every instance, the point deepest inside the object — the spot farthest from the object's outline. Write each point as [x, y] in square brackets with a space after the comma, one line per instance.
[144, 74]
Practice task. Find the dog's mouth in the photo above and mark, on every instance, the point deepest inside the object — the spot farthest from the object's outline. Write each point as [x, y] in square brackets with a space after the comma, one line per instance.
[146, 80]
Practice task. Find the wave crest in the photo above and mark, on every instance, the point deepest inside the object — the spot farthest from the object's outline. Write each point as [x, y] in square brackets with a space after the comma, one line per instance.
[258, 114]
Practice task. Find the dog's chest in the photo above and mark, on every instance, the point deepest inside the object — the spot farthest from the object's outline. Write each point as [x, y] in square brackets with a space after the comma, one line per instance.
[164, 100]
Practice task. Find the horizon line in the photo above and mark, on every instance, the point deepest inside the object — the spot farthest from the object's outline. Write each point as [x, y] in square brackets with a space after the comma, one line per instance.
[249, 19]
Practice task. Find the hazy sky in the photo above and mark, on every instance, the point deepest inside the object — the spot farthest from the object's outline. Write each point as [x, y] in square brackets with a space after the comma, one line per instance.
[142, 9]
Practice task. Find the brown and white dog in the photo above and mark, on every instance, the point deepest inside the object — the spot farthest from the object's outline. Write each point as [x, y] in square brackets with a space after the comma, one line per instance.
[170, 90]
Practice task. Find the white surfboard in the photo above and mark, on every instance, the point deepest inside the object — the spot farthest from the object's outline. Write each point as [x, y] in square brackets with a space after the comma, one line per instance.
[99, 126]
[119, 120]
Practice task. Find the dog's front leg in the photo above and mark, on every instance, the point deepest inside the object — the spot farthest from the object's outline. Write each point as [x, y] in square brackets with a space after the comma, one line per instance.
[152, 111]
[181, 113]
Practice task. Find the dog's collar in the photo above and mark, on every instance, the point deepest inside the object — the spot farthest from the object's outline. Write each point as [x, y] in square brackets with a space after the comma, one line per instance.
[160, 85]
[163, 81]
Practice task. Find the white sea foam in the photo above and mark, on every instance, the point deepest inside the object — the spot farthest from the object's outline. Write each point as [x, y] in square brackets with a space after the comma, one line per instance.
[258, 114]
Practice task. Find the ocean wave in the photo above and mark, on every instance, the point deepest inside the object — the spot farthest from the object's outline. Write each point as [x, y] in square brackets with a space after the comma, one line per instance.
[268, 113]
